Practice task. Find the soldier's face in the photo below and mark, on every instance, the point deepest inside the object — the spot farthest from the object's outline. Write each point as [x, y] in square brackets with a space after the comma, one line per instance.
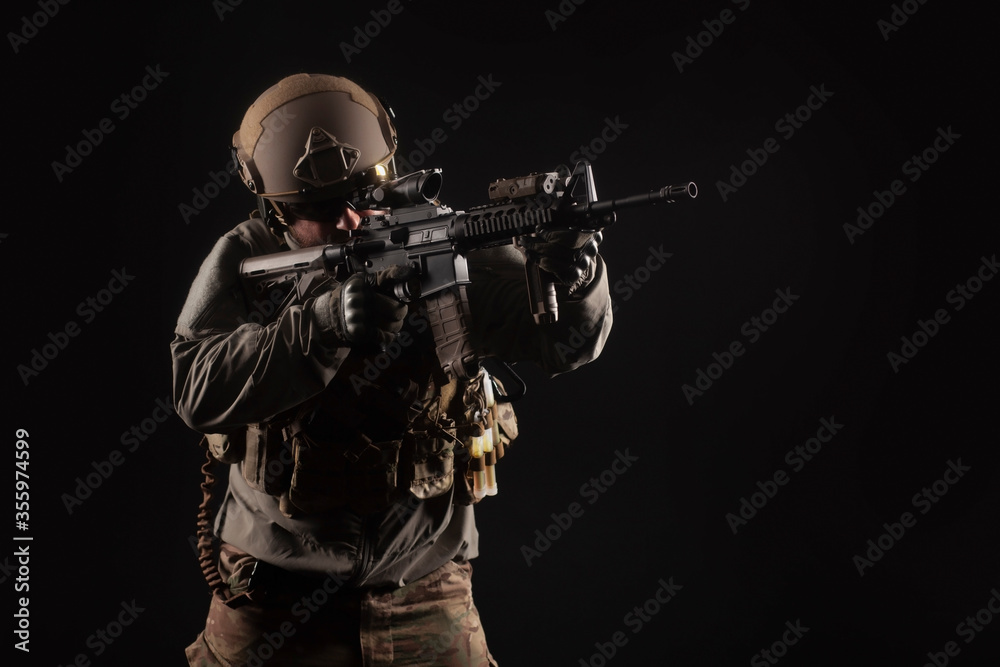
[325, 223]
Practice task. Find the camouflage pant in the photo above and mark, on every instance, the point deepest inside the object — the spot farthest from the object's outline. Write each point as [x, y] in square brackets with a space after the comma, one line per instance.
[431, 621]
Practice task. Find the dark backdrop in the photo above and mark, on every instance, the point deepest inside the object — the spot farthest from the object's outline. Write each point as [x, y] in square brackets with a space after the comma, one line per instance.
[879, 367]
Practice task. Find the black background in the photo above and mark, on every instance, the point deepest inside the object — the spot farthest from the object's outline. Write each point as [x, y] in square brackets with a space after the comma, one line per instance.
[665, 516]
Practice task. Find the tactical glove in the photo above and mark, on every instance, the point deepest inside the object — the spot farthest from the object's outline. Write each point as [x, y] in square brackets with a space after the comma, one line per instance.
[366, 310]
[568, 255]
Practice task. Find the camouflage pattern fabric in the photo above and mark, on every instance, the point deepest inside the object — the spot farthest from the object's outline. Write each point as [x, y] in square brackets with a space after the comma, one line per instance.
[429, 622]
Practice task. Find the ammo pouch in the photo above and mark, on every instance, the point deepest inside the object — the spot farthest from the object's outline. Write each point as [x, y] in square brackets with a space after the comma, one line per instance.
[311, 475]
[261, 453]
[367, 476]
[328, 476]
[227, 447]
[489, 428]
[433, 464]
[267, 464]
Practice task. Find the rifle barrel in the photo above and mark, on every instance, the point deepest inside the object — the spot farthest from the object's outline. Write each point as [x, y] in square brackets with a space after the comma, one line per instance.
[668, 194]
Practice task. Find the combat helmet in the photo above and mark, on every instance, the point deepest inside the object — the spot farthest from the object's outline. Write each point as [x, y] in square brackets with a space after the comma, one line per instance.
[313, 137]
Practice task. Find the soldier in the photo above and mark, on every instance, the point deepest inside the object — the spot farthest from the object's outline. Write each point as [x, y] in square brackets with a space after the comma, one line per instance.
[347, 526]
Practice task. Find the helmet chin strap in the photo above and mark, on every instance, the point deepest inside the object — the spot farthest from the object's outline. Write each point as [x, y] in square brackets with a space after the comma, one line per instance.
[272, 215]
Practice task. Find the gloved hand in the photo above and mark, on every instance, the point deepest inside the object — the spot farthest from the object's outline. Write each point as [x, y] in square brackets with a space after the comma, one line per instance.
[366, 310]
[569, 255]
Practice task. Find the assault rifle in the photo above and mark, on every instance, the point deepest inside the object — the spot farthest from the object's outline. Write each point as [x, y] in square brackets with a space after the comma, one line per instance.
[417, 230]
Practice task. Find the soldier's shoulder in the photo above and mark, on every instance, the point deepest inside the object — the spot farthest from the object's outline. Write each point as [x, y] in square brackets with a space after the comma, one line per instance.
[255, 235]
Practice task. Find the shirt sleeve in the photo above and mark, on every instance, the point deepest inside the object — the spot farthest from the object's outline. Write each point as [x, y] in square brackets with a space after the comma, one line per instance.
[504, 327]
[230, 370]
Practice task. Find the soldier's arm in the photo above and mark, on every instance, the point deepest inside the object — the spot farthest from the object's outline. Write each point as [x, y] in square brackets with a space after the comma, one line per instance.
[504, 327]
[229, 371]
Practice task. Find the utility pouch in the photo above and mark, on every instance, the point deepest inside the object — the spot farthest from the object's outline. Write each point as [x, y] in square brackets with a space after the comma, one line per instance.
[227, 447]
[263, 467]
[505, 418]
[328, 476]
[433, 464]
[465, 469]
[371, 484]
[490, 427]
[319, 476]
